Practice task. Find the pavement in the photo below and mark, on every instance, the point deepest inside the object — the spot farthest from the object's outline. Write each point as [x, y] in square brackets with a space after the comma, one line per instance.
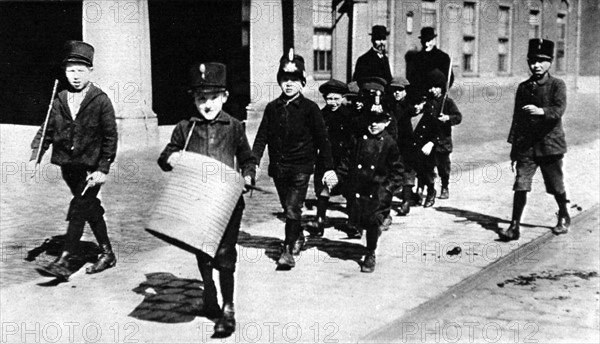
[154, 292]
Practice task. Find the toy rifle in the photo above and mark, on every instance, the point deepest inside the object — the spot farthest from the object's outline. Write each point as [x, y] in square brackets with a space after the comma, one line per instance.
[447, 87]
[45, 127]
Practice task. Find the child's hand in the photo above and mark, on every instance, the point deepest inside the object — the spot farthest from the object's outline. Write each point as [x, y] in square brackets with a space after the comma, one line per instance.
[247, 182]
[96, 178]
[444, 118]
[533, 110]
[330, 179]
[427, 148]
[174, 158]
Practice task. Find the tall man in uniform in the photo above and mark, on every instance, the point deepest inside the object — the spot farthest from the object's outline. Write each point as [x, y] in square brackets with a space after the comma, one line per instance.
[427, 60]
[537, 137]
[374, 63]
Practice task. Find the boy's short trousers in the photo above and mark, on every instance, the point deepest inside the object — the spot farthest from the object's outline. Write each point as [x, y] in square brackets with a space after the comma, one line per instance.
[226, 256]
[292, 189]
[551, 167]
[86, 207]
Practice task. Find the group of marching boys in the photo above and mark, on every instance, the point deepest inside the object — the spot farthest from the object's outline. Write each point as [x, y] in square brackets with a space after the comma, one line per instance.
[368, 144]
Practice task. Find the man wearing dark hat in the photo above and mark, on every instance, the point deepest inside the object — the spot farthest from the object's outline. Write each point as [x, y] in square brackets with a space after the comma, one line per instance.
[426, 60]
[374, 171]
[448, 117]
[537, 137]
[83, 133]
[214, 133]
[293, 128]
[338, 122]
[374, 63]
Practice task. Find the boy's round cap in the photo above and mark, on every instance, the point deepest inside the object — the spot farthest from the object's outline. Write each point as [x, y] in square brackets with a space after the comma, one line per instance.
[377, 116]
[78, 52]
[208, 77]
[291, 64]
[427, 33]
[379, 32]
[399, 82]
[436, 79]
[333, 86]
[372, 83]
[541, 48]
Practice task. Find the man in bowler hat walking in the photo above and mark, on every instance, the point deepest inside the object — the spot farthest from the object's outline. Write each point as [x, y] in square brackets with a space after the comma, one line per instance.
[537, 137]
[374, 63]
[427, 60]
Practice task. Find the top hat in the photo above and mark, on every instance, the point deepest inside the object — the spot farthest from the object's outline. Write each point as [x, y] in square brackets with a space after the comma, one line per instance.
[372, 83]
[399, 82]
[210, 77]
[78, 52]
[540, 48]
[333, 86]
[379, 32]
[427, 34]
[291, 64]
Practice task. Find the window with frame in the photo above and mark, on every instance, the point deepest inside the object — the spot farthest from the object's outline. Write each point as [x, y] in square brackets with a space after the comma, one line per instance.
[429, 13]
[535, 23]
[561, 25]
[503, 38]
[322, 50]
[469, 29]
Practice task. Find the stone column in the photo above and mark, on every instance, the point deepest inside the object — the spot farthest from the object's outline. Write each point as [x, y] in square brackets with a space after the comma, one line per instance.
[120, 33]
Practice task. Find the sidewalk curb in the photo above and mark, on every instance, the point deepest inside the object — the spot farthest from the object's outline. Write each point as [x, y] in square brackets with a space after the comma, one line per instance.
[392, 330]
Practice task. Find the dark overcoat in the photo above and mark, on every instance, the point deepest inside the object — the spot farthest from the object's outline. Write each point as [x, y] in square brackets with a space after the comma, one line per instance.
[450, 109]
[370, 65]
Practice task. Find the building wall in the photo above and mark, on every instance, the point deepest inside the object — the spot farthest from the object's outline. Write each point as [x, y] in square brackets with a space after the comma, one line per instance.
[590, 38]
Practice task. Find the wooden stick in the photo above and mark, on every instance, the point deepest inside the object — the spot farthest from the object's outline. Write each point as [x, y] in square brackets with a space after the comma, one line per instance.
[41, 146]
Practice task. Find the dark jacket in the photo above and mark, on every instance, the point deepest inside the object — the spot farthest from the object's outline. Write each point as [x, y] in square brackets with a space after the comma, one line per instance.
[423, 63]
[89, 141]
[340, 130]
[411, 141]
[296, 136]
[372, 172]
[532, 135]
[223, 139]
[370, 64]
[450, 109]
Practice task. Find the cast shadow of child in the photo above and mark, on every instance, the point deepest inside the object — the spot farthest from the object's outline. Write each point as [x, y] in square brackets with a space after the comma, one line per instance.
[169, 299]
[52, 247]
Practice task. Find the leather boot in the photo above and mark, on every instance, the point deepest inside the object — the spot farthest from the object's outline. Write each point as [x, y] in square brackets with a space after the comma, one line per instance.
[106, 260]
[286, 260]
[564, 220]
[430, 199]
[445, 194]
[60, 268]
[225, 326]
[368, 264]
[513, 231]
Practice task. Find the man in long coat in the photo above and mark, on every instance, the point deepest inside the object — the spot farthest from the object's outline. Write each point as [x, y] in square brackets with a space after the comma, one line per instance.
[374, 63]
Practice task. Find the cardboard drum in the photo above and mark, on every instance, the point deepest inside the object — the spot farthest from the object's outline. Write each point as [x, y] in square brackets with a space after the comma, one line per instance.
[194, 208]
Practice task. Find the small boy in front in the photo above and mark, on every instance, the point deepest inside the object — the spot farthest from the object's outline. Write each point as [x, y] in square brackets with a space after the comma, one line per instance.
[338, 122]
[220, 136]
[293, 128]
[374, 171]
[83, 133]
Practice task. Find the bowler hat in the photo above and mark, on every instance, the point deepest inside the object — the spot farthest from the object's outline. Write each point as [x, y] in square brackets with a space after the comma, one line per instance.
[379, 32]
[399, 82]
[540, 48]
[427, 33]
[291, 64]
[333, 86]
[78, 52]
[209, 77]
[372, 83]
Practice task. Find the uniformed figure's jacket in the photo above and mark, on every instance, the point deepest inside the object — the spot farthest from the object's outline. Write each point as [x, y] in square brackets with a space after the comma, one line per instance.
[373, 169]
[89, 140]
[423, 63]
[411, 141]
[296, 135]
[340, 130]
[370, 65]
[536, 136]
[450, 109]
[400, 109]
[223, 139]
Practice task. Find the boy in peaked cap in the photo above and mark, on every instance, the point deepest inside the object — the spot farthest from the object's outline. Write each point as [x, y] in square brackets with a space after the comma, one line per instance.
[538, 138]
[293, 128]
[448, 117]
[338, 123]
[216, 134]
[83, 133]
[374, 170]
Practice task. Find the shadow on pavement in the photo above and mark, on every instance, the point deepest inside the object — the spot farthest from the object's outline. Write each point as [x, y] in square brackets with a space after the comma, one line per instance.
[486, 221]
[168, 299]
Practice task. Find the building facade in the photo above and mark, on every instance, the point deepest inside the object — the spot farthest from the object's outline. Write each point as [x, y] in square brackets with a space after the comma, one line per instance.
[144, 47]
